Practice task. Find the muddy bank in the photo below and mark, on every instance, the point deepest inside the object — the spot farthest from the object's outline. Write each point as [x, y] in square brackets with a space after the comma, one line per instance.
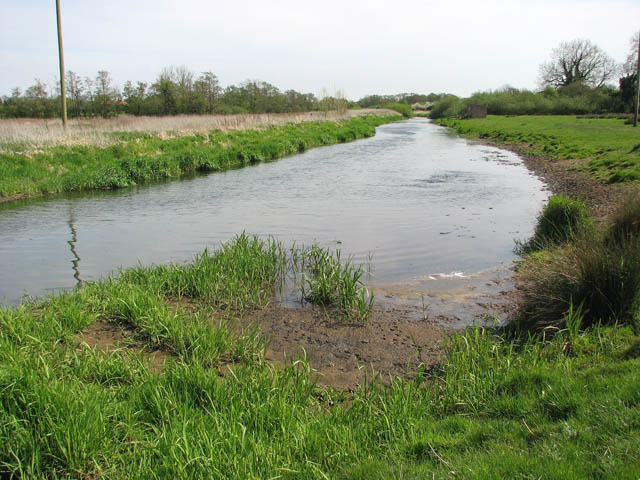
[392, 343]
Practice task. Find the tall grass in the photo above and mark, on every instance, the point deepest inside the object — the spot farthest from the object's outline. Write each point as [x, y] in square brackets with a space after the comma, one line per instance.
[44, 133]
[597, 270]
[329, 282]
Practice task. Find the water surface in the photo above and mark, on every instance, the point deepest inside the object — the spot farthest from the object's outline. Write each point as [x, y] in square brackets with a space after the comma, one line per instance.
[420, 200]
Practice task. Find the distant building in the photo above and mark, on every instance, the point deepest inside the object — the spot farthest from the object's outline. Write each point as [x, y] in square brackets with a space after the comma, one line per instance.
[476, 111]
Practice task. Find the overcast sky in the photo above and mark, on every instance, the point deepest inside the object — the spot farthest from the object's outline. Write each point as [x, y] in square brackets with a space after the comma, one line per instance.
[358, 47]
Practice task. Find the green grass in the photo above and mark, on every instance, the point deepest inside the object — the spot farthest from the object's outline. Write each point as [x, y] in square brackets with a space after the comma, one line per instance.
[563, 406]
[562, 220]
[146, 157]
[329, 282]
[610, 148]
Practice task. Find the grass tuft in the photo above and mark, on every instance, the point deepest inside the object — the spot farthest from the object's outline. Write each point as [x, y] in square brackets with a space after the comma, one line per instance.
[562, 220]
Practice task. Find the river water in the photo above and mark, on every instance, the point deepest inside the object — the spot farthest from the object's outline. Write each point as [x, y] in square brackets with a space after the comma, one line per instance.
[416, 200]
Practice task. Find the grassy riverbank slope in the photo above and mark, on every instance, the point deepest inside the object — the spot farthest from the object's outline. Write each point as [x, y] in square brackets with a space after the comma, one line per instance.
[136, 157]
[149, 376]
[608, 148]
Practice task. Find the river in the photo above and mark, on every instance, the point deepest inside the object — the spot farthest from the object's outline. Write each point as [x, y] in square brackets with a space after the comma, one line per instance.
[415, 201]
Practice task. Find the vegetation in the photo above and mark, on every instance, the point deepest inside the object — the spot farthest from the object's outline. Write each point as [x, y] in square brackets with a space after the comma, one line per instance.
[326, 281]
[138, 157]
[564, 406]
[177, 90]
[594, 271]
[402, 98]
[563, 220]
[604, 147]
[574, 99]
[402, 108]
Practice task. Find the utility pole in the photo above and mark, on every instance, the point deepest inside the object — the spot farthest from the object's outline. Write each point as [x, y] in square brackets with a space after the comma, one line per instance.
[63, 93]
[635, 113]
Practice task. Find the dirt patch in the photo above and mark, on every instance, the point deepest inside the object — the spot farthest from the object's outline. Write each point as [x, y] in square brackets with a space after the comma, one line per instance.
[109, 337]
[393, 343]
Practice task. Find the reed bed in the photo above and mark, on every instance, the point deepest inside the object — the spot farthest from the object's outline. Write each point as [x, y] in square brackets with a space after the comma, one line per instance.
[33, 134]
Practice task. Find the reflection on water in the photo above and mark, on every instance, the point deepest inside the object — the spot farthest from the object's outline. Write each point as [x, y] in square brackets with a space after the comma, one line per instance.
[420, 200]
[72, 246]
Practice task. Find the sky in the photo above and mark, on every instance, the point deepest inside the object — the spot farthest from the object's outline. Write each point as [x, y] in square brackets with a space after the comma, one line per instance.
[356, 47]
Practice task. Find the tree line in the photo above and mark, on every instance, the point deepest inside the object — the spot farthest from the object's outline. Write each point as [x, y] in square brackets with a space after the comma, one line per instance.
[177, 90]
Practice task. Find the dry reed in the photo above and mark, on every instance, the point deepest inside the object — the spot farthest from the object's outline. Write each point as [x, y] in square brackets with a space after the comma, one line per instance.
[37, 133]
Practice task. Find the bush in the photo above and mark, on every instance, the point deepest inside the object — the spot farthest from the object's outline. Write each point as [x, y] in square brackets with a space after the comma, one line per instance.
[450, 106]
[561, 221]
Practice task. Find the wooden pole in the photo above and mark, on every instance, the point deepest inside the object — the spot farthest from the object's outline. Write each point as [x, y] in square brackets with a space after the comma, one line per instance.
[63, 90]
[635, 114]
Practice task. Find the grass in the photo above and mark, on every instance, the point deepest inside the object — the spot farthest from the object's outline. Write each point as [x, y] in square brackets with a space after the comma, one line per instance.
[138, 157]
[328, 282]
[528, 406]
[594, 269]
[562, 220]
[608, 148]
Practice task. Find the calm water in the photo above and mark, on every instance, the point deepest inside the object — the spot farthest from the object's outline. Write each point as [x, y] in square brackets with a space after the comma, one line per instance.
[421, 200]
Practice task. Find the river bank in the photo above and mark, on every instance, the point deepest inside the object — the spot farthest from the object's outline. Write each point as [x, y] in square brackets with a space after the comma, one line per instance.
[136, 157]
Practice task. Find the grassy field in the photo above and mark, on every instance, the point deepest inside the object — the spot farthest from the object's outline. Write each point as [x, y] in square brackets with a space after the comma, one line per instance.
[563, 406]
[606, 148]
[134, 157]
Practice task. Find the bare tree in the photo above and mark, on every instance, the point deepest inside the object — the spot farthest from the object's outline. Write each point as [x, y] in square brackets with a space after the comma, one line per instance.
[105, 93]
[630, 66]
[578, 61]
[75, 90]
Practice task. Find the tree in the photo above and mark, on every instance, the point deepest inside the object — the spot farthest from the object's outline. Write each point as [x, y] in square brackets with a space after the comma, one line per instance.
[105, 93]
[630, 66]
[208, 87]
[578, 61]
[75, 90]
